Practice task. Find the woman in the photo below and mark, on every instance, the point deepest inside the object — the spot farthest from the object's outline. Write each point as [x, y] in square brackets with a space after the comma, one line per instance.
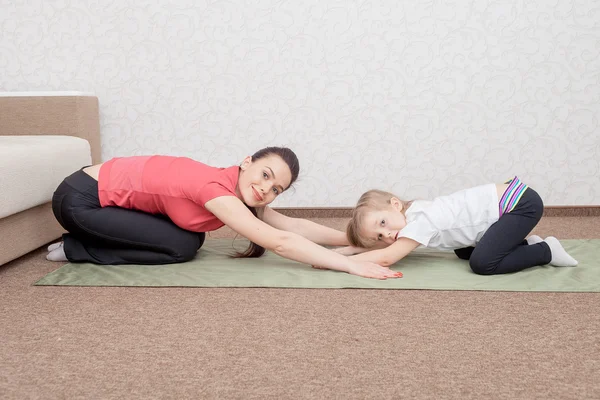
[155, 210]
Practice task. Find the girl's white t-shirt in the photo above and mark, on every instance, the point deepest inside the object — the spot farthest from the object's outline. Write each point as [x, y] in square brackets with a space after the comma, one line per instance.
[454, 221]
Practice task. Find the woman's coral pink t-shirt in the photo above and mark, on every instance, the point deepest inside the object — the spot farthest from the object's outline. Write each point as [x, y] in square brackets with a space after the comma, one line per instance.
[177, 187]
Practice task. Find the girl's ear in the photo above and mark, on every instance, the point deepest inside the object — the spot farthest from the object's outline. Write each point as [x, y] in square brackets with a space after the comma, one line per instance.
[246, 163]
[396, 203]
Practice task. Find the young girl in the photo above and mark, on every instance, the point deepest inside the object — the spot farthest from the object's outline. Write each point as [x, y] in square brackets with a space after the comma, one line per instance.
[486, 225]
[155, 210]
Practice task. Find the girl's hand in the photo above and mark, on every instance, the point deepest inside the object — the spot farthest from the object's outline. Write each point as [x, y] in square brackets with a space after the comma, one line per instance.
[371, 270]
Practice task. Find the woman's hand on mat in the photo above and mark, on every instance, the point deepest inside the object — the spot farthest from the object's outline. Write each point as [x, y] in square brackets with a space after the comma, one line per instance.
[371, 270]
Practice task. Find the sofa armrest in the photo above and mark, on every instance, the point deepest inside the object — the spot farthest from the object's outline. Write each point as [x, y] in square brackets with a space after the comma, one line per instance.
[52, 113]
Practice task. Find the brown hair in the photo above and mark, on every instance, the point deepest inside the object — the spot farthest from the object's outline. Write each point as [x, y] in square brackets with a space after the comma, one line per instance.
[373, 200]
[289, 157]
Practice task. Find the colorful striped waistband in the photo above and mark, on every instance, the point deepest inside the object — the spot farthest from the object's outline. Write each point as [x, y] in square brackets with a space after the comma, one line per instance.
[511, 196]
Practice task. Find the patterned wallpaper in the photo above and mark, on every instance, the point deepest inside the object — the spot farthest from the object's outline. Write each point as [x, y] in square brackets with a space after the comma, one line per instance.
[418, 97]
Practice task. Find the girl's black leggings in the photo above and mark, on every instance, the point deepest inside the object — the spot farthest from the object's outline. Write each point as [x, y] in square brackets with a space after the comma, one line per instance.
[503, 248]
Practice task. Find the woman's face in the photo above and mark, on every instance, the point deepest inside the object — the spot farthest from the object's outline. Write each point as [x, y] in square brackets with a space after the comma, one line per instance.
[262, 180]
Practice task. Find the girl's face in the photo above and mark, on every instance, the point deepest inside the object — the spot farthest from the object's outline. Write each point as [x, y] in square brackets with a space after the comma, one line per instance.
[262, 180]
[383, 226]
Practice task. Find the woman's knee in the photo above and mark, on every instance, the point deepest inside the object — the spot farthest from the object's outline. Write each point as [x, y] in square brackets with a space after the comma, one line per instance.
[201, 238]
[186, 248]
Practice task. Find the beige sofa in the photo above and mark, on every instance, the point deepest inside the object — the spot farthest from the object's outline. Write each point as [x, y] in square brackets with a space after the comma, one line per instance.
[38, 148]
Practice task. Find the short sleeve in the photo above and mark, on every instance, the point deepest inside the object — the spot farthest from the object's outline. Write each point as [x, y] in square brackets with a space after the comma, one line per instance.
[210, 191]
[419, 230]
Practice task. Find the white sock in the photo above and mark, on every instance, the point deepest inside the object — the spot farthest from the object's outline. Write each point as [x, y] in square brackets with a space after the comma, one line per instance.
[534, 239]
[54, 246]
[560, 258]
[58, 254]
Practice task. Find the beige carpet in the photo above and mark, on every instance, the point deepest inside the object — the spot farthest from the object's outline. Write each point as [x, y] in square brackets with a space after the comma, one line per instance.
[114, 343]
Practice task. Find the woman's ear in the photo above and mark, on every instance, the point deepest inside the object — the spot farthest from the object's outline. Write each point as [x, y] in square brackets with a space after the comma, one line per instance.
[246, 163]
[396, 203]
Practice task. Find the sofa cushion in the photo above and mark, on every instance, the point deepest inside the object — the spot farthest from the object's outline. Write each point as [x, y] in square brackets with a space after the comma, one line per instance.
[32, 167]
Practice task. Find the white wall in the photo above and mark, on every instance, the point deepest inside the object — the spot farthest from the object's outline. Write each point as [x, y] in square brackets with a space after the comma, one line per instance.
[419, 97]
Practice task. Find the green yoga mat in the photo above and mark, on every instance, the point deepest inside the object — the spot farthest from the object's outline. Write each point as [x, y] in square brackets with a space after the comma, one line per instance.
[422, 269]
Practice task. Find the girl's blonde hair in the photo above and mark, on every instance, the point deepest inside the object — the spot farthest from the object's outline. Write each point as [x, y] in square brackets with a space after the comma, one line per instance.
[373, 200]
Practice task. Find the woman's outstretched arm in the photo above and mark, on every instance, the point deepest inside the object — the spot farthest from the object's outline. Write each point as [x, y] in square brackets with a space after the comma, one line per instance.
[233, 213]
[310, 230]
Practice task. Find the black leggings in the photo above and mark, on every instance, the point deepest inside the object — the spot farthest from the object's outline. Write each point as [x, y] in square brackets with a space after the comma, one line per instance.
[503, 248]
[113, 235]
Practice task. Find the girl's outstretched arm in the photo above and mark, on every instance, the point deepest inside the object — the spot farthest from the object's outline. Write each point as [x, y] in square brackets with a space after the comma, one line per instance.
[351, 250]
[312, 231]
[389, 255]
[233, 213]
